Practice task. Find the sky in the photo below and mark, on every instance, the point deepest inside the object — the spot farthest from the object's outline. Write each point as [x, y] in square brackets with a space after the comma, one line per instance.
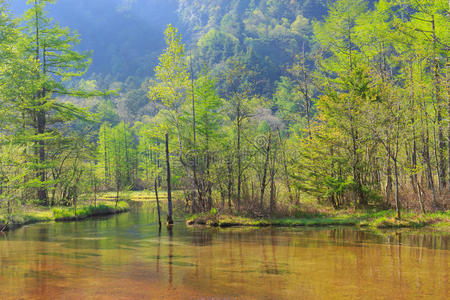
[126, 36]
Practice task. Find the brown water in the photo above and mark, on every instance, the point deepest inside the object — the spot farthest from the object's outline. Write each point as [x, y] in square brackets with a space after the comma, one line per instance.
[125, 257]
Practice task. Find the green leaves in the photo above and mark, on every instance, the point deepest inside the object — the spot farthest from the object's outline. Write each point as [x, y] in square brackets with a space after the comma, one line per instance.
[336, 35]
[171, 74]
[37, 59]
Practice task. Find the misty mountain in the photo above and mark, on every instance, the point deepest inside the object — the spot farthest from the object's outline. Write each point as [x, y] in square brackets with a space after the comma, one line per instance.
[126, 36]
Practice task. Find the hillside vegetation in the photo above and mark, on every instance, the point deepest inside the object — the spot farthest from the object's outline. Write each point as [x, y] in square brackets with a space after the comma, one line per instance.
[261, 109]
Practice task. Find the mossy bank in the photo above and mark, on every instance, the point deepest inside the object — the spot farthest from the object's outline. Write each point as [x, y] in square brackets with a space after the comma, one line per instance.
[382, 220]
[59, 214]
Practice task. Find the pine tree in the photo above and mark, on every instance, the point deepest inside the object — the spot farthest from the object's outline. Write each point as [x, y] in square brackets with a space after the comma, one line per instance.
[52, 48]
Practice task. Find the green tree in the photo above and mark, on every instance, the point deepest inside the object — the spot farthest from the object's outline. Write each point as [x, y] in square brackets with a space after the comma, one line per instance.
[53, 50]
[171, 83]
[210, 135]
[344, 92]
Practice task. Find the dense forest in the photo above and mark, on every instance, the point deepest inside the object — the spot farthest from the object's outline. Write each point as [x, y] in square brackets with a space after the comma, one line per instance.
[253, 107]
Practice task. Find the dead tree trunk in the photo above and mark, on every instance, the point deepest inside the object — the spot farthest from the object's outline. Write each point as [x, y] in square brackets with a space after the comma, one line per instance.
[169, 189]
[157, 202]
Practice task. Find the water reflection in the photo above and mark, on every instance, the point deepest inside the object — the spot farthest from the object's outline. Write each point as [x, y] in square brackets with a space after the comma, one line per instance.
[127, 256]
[202, 237]
[170, 234]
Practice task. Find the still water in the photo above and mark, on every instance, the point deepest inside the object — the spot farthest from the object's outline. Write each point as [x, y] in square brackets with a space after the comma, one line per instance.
[125, 257]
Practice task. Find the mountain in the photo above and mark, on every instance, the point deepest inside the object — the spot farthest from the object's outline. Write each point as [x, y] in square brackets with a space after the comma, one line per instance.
[264, 35]
[126, 36]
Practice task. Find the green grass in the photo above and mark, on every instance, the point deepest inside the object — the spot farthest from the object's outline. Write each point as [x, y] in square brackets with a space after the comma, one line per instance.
[140, 196]
[105, 208]
[374, 219]
[219, 220]
[24, 218]
[61, 214]
[412, 220]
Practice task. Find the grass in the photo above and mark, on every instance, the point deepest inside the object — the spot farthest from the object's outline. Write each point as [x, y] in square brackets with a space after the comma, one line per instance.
[373, 219]
[60, 214]
[83, 212]
[24, 218]
[219, 220]
[139, 196]
[438, 220]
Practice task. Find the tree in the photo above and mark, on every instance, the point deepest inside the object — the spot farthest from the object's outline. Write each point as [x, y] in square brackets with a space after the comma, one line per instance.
[169, 186]
[171, 85]
[210, 136]
[238, 90]
[424, 25]
[302, 89]
[53, 50]
[336, 35]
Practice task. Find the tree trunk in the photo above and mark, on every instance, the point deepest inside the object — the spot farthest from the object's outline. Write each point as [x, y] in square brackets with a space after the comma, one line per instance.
[419, 194]
[413, 123]
[230, 181]
[207, 181]
[194, 133]
[105, 156]
[266, 165]
[238, 150]
[272, 184]
[169, 189]
[448, 122]
[426, 154]
[441, 143]
[397, 200]
[389, 181]
[158, 162]
[42, 175]
[286, 173]
[118, 170]
[157, 202]
[126, 153]
[306, 91]
[183, 163]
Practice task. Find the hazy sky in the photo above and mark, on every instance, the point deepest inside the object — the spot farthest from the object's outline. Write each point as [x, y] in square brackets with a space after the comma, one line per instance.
[125, 35]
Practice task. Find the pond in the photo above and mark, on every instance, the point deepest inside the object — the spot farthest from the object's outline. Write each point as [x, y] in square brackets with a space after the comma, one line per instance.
[126, 257]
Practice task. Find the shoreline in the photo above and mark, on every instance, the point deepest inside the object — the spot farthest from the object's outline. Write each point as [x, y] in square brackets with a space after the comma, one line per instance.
[438, 222]
[378, 220]
[62, 214]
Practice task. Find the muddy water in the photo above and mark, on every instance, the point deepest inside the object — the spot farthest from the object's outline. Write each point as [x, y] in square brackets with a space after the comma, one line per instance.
[125, 257]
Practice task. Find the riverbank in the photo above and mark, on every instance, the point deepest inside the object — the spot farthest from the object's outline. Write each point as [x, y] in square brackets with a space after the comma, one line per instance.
[59, 214]
[439, 221]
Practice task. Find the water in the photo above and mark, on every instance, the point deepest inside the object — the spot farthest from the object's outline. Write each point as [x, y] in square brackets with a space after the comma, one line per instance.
[125, 257]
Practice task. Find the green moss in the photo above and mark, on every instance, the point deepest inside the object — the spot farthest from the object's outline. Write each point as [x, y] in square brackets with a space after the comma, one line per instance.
[385, 222]
[441, 226]
[61, 214]
[106, 208]
[202, 219]
[23, 218]
[374, 219]
[229, 221]
[408, 220]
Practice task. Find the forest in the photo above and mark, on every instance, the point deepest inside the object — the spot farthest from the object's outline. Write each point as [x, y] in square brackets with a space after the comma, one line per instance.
[257, 108]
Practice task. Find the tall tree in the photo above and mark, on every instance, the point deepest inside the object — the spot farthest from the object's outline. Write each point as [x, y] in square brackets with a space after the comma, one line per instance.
[171, 85]
[336, 36]
[238, 91]
[53, 49]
